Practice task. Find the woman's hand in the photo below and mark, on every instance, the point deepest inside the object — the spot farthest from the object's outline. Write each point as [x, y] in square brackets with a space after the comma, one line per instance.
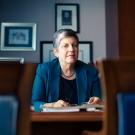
[59, 103]
[95, 100]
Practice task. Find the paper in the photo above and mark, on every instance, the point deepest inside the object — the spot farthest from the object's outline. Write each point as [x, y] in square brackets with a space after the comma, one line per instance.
[61, 109]
[77, 108]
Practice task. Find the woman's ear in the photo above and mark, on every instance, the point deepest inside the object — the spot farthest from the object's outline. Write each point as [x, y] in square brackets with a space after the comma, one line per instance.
[55, 52]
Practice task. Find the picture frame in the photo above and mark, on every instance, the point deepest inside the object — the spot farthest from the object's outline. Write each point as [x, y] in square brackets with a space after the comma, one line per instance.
[12, 59]
[18, 36]
[85, 51]
[67, 16]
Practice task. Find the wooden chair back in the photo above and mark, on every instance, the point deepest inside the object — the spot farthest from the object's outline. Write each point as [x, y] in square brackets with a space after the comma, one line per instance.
[16, 80]
[117, 76]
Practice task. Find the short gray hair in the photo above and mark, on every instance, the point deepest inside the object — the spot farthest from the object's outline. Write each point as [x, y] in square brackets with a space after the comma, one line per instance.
[63, 33]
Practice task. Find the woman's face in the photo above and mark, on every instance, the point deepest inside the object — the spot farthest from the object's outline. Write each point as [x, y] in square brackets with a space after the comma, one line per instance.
[67, 51]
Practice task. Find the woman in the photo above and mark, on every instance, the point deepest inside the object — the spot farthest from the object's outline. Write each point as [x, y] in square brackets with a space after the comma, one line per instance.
[65, 80]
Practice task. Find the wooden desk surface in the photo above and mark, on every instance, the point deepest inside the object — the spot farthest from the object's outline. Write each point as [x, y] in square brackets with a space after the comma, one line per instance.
[67, 117]
[65, 123]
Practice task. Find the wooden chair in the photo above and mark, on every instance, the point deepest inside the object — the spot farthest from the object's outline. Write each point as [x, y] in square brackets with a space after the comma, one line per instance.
[15, 93]
[117, 78]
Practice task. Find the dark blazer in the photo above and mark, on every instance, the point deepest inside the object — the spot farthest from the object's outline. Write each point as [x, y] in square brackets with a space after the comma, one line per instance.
[46, 84]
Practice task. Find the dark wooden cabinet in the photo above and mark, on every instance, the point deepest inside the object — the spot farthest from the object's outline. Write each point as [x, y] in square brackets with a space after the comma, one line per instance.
[120, 28]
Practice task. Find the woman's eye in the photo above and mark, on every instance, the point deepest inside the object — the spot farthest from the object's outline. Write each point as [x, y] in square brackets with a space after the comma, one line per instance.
[65, 45]
[75, 46]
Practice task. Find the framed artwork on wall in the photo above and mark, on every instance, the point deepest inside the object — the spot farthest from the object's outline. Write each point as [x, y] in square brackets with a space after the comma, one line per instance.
[18, 36]
[67, 16]
[46, 51]
[85, 51]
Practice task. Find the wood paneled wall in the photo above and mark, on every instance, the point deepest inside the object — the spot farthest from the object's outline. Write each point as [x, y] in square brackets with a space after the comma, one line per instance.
[126, 19]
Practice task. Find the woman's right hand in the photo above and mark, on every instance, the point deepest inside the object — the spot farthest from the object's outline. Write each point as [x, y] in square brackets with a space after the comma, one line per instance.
[59, 103]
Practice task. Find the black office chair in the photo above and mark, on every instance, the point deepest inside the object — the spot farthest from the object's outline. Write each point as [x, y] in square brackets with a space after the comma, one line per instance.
[15, 92]
[118, 86]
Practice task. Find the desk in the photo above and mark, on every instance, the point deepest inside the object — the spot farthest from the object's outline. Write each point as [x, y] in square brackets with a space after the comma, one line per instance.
[69, 123]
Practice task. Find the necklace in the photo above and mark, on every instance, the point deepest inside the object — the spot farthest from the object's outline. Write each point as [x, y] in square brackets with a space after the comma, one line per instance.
[69, 75]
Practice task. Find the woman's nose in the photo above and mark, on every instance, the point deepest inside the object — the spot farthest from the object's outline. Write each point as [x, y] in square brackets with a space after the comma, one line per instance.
[71, 47]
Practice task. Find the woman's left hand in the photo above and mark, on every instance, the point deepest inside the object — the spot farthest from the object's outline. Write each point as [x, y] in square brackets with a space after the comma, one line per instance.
[95, 100]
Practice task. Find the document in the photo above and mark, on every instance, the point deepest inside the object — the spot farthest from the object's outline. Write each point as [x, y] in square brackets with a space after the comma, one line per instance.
[91, 107]
[77, 108]
[61, 109]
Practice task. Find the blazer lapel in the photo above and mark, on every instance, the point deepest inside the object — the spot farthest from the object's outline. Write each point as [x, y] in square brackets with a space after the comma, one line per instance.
[54, 82]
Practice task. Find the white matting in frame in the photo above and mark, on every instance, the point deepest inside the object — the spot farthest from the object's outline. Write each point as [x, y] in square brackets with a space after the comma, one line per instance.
[85, 51]
[46, 51]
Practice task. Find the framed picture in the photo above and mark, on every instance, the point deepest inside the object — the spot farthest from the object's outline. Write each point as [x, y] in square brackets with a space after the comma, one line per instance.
[46, 51]
[67, 16]
[18, 36]
[85, 51]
